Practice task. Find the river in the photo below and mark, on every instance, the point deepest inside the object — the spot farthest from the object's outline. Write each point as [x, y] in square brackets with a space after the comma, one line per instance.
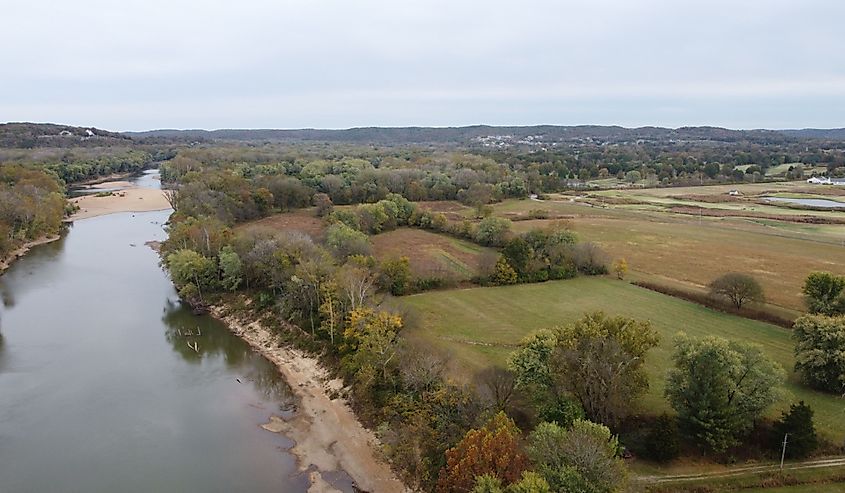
[100, 391]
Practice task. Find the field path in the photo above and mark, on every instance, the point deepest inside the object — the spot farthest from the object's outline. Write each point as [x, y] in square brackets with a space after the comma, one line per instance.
[812, 464]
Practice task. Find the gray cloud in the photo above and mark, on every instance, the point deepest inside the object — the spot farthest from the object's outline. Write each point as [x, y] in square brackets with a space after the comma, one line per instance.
[332, 63]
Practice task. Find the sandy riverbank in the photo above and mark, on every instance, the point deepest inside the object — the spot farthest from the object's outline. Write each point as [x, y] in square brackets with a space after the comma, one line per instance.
[327, 433]
[128, 199]
[21, 251]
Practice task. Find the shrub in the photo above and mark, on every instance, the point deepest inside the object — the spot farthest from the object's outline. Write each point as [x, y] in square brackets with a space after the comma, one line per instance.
[346, 241]
[323, 203]
[565, 270]
[504, 273]
[590, 259]
[620, 267]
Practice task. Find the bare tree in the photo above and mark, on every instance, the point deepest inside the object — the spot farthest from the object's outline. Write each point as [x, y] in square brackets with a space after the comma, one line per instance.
[420, 369]
[357, 285]
[738, 288]
[498, 385]
[171, 195]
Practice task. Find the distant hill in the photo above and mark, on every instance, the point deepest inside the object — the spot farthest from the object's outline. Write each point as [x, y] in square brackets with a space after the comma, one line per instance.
[817, 133]
[477, 133]
[547, 133]
[29, 135]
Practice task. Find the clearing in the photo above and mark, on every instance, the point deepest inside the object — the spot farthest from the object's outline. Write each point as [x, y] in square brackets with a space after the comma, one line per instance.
[303, 220]
[431, 254]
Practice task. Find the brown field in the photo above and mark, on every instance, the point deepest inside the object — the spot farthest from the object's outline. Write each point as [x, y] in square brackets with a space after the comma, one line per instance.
[303, 221]
[687, 251]
[430, 254]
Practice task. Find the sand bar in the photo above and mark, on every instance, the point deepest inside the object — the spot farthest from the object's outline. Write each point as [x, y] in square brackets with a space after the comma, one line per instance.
[327, 433]
[132, 199]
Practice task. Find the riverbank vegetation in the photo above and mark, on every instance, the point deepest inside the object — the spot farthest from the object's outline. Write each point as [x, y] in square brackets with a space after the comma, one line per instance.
[32, 206]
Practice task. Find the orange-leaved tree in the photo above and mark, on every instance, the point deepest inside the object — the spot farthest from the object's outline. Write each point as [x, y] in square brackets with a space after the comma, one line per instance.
[495, 450]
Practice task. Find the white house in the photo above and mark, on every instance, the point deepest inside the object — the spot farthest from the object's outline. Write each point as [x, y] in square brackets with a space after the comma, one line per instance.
[820, 181]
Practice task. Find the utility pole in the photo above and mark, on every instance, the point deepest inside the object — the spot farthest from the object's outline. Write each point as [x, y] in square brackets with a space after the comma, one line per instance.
[783, 453]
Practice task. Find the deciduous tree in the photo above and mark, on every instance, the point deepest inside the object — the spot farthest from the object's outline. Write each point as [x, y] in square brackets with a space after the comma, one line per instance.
[494, 449]
[719, 387]
[820, 351]
[582, 458]
[823, 293]
[738, 288]
[597, 359]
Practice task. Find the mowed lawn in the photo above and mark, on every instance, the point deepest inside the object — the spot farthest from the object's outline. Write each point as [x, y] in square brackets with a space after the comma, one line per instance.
[479, 327]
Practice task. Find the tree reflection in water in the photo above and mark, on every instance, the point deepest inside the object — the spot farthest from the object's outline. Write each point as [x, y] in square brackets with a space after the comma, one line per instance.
[214, 340]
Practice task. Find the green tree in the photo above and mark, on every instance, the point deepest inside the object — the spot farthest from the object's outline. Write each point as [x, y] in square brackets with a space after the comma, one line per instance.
[371, 342]
[531, 482]
[231, 268]
[597, 359]
[633, 176]
[396, 275]
[738, 288]
[719, 387]
[518, 253]
[823, 293]
[798, 424]
[189, 267]
[493, 449]
[820, 351]
[582, 458]
[492, 231]
[487, 483]
[346, 241]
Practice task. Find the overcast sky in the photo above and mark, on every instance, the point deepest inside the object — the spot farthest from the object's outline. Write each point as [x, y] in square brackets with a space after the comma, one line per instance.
[135, 65]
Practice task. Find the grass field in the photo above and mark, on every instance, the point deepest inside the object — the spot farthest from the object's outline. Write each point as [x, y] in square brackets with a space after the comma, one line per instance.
[481, 326]
[431, 254]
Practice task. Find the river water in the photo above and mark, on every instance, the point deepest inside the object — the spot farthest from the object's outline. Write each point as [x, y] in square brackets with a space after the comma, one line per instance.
[99, 390]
